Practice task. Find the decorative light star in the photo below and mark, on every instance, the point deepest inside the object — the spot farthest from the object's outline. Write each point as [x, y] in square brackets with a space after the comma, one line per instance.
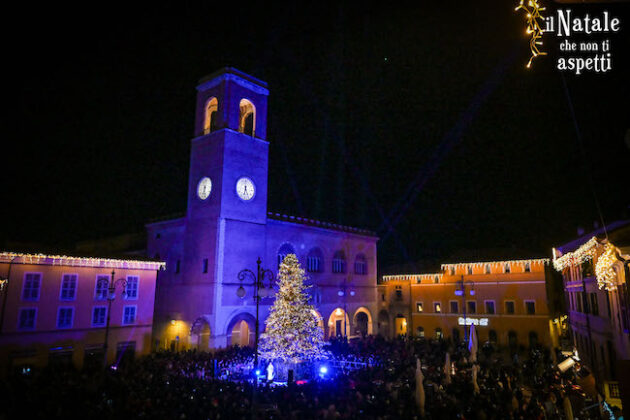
[534, 29]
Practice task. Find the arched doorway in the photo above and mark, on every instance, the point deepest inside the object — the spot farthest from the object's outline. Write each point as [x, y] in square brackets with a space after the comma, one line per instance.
[363, 322]
[200, 333]
[512, 339]
[455, 335]
[320, 320]
[533, 339]
[420, 332]
[241, 330]
[383, 323]
[338, 324]
[401, 325]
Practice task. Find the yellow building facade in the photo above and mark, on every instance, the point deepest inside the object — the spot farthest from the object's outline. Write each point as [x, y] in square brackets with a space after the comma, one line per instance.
[505, 300]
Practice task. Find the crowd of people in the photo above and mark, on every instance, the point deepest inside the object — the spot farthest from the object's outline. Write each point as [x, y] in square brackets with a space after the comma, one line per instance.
[200, 385]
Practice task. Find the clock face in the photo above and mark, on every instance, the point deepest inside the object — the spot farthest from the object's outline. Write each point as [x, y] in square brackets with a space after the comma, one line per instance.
[204, 188]
[245, 188]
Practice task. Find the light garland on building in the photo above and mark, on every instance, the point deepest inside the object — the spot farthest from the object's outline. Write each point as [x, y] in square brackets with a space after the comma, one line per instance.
[584, 253]
[604, 267]
[510, 262]
[534, 29]
[64, 260]
[414, 277]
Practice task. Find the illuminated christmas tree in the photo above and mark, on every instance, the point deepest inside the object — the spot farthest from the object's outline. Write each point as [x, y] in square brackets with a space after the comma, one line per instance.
[292, 331]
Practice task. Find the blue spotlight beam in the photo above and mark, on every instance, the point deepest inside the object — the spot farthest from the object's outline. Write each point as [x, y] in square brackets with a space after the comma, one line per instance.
[450, 140]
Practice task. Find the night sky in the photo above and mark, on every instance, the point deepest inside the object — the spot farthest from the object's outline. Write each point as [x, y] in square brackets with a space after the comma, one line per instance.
[424, 116]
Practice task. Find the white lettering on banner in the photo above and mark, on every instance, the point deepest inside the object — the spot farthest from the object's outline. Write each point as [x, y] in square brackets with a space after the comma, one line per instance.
[470, 321]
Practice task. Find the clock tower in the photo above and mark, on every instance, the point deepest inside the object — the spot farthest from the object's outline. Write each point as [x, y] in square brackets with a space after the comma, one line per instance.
[227, 189]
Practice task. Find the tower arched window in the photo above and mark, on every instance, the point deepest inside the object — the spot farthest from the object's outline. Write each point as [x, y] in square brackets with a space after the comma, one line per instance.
[360, 265]
[339, 262]
[247, 119]
[210, 118]
[315, 261]
[284, 250]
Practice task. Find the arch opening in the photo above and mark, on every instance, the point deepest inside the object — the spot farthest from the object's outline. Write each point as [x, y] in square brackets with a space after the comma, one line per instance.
[338, 324]
[247, 119]
[241, 330]
[211, 115]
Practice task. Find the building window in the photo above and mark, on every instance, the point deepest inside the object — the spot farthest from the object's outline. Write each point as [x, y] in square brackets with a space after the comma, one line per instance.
[470, 270]
[99, 316]
[314, 261]
[452, 271]
[318, 297]
[131, 290]
[339, 262]
[509, 307]
[399, 295]
[530, 307]
[490, 307]
[247, 120]
[177, 266]
[283, 251]
[68, 287]
[488, 269]
[419, 307]
[129, 315]
[436, 280]
[205, 266]
[454, 307]
[420, 331]
[528, 267]
[383, 297]
[437, 307]
[506, 268]
[210, 120]
[32, 283]
[360, 265]
[100, 291]
[26, 320]
[438, 333]
[471, 307]
[64, 317]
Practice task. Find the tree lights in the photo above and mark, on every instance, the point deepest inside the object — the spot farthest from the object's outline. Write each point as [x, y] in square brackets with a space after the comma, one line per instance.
[292, 332]
[534, 29]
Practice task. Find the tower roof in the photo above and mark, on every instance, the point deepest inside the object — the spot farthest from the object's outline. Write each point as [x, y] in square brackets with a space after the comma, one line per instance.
[232, 72]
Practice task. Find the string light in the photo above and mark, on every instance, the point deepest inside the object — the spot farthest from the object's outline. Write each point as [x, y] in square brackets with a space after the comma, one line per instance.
[417, 278]
[64, 260]
[604, 267]
[534, 29]
[584, 253]
[502, 263]
[414, 277]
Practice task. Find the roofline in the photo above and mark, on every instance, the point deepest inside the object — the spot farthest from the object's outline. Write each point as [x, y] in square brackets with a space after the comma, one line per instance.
[576, 243]
[318, 224]
[69, 261]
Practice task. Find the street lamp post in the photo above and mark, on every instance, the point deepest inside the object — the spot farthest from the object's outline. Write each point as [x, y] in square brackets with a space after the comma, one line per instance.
[461, 291]
[111, 295]
[257, 280]
[343, 292]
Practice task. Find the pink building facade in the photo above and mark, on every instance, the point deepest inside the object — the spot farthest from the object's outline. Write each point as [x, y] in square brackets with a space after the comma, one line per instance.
[54, 309]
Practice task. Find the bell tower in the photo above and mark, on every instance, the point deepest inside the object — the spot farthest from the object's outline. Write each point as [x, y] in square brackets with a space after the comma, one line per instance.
[227, 188]
[229, 155]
